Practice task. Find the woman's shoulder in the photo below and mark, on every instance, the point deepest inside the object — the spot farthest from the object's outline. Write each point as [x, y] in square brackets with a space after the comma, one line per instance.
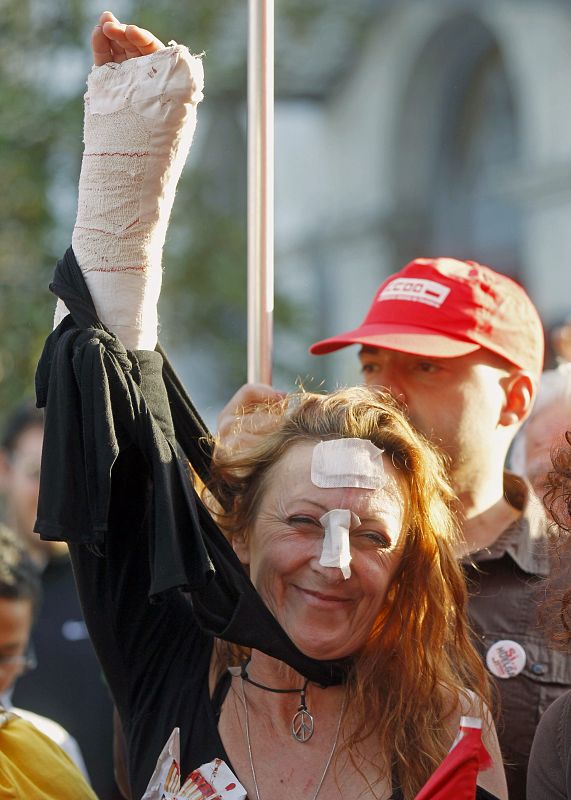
[466, 703]
[493, 780]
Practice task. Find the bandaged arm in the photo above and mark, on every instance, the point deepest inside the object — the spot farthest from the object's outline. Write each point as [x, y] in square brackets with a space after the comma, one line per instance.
[140, 117]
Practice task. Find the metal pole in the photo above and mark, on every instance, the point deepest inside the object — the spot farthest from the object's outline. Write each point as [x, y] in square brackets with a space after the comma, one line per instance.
[260, 189]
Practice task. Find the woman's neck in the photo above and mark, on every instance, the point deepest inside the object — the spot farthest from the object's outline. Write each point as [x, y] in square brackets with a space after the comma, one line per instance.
[275, 675]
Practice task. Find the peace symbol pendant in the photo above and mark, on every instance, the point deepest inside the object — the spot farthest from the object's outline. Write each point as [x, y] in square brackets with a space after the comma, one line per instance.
[302, 726]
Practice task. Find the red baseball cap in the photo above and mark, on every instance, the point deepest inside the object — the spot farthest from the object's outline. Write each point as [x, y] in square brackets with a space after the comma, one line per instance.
[447, 308]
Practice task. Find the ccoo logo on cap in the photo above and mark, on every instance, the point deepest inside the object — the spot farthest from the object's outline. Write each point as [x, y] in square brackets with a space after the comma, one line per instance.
[446, 308]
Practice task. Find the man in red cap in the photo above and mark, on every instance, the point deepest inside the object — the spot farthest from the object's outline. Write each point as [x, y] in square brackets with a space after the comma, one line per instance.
[462, 347]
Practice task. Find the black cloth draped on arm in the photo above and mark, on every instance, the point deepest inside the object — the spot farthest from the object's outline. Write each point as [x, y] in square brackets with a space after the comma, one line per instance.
[99, 400]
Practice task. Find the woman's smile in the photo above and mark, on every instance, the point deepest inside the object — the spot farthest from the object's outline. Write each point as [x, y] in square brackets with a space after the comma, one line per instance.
[323, 600]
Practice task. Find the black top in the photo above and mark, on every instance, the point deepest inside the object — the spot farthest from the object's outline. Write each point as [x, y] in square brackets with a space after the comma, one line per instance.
[110, 445]
[155, 656]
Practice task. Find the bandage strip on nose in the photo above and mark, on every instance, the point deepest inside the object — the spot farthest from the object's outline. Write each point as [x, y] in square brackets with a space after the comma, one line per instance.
[336, 551]
[344, 463]
[340, 463]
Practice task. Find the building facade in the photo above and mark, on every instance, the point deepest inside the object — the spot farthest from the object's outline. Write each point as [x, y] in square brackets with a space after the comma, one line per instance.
[446, 130]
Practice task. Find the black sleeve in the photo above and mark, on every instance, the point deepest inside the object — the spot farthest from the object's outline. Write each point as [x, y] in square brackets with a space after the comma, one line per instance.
[549, 770]
[100, 400]
[154, 655]
[114, 477]
[114, 487]
[138, 642]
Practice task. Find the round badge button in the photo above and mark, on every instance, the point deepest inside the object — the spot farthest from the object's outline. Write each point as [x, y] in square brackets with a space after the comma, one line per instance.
[505, 659]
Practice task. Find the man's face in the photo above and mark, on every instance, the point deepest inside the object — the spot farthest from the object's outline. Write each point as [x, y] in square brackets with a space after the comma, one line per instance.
[20, 484]
[15, 625]
[455, 402]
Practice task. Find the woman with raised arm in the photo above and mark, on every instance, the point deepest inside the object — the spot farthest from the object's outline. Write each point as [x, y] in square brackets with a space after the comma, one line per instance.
[305, 625]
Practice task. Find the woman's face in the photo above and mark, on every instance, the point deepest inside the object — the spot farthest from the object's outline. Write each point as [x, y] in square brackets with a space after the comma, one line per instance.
[324, 614]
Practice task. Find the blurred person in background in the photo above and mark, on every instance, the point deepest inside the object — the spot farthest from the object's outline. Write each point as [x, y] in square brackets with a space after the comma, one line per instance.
[549, 775]
[561, 341]
[544, 429]
[67, 684]
[20, 598]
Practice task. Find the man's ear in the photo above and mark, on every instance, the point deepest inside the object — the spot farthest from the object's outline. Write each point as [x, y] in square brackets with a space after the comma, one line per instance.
[5, 472]
[241, 548]
[520, 390]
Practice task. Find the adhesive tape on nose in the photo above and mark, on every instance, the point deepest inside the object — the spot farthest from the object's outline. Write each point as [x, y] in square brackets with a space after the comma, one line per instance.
[343, 463]
[336, 550]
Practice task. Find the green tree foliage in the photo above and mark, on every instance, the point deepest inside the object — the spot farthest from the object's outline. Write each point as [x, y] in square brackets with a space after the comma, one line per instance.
[44, 57]
[30, 125]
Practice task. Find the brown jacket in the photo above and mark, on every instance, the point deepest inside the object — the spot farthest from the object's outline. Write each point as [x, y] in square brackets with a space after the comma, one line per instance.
[504, 582]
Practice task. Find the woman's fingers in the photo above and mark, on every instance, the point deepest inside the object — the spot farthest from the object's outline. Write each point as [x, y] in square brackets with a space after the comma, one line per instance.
[101, 47]
[104, 40]
[130, 41]
[113, 41]
[245, 418]
[142, 40]
[106, 16]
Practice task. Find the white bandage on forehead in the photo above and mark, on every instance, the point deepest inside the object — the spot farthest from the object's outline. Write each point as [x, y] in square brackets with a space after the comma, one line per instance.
[343, 463]
[336, 551]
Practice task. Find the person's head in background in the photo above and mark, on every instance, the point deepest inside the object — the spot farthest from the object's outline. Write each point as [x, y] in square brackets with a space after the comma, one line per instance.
[462, 347]
[556, 608]
[34, 763]
[560, 340]
[20, 591]
[544, 429]
[20, 458]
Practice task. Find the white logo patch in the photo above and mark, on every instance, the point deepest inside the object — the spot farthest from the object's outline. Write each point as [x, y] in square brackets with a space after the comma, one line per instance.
[415, 290]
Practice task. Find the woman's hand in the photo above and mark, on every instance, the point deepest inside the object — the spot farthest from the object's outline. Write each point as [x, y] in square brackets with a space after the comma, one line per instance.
[111, 40]
[140, 116]
[245, 418]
